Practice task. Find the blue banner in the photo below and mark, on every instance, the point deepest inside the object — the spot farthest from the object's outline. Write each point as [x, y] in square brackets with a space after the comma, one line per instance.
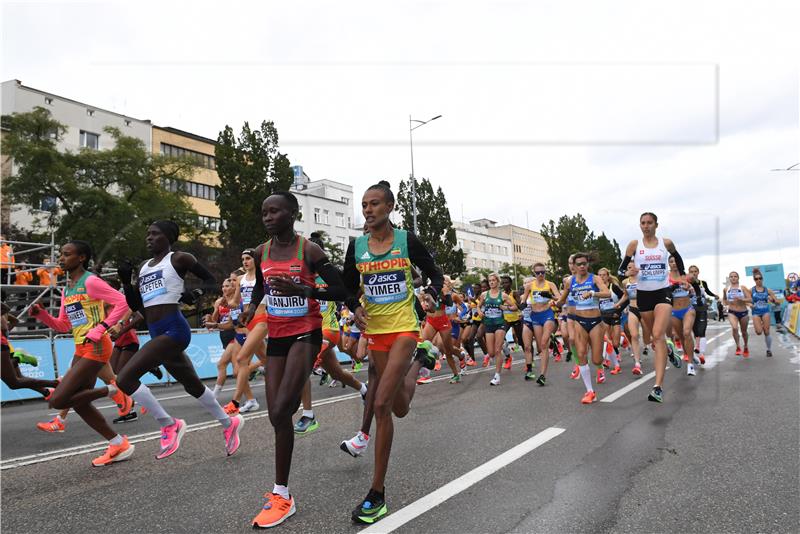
[45, 371]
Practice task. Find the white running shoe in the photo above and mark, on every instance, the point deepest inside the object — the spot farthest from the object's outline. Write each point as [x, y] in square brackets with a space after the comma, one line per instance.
[495, 381]
[249, 406]
[690, 369]
[355, 446]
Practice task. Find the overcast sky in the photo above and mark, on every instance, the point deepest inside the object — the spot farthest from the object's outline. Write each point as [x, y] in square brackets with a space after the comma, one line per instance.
[549, 108]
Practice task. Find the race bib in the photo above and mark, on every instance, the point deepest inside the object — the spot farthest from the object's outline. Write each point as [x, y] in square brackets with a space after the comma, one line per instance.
[386, 287]
[493, 313]
[76, 314]
[539, 298]
[323, 306]
[653, 272]
[247, 294]
[235, 313]
[680, 292]
[152, 285]
[286, 306]
[606, 305]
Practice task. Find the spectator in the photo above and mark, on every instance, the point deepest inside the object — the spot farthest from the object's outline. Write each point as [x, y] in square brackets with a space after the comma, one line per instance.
[48, 276]
[6, 261]
[720, 311]
[24, 278]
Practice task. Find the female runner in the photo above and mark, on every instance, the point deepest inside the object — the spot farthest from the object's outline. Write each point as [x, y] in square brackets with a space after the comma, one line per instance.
[650, 256]
[379, 265]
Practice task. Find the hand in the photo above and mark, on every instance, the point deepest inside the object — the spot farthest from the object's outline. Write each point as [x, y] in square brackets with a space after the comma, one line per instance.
[114, 331]
[35, 310]
[95, 334]
[284, 285]
[247, 315]
[361, 318]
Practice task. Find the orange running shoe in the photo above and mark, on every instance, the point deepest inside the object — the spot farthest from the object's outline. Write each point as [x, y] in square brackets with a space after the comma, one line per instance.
[124, 402]
[471, 362]
[485, 361]
[507, 363]
[601, 376]
[685, 357]
[56, 425]
[424, 380]
[616, 370]
[275, 511]
[702, 359]
[738, 351]
[437, 366]
[115, 453]
[576, 372]
[232, 408]
[746, 352]
[589, 398]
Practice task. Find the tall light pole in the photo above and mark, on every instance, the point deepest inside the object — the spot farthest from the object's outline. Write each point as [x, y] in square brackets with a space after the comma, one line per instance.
[411, 128]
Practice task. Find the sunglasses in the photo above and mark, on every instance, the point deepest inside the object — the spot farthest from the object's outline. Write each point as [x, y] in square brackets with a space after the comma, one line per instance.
[757, 278]
[538, 273]
[581, 264]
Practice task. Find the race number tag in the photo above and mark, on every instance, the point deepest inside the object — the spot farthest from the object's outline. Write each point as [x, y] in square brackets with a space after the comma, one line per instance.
[386, 287]
[286, 306]
[76, 314]
[653, 272]
[152, 285]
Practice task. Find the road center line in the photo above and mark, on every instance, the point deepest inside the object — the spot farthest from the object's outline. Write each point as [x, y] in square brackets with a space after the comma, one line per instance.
[420, 506]
[644, 380]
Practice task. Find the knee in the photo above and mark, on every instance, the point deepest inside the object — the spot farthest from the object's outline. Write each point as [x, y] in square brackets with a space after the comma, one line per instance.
[58, 402]
[127, 383]
[383, 408]
[280, 414]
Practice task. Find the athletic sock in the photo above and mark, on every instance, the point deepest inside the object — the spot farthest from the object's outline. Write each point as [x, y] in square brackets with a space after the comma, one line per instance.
[112, 390]
[529, 367]
[363, 389]
[59, 418]
[586, 375]
[283, 491]
[308, 413]
[616, 350]
[614, 359]
[144, 397]
[209, 402]
[116, 440]
[702, 345]
[769, 342]
[217, 389]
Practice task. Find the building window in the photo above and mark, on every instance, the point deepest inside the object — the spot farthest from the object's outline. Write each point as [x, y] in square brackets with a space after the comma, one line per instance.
[192, 189]
[210, 223]
[90, 112]
[198, 158]
[90, 140]
[325, 217]
[48, 100]
[343, 243]
[346, 201]
[340, 220]
[349, 223]
[48, 204]
[317, 216]
[127, 122]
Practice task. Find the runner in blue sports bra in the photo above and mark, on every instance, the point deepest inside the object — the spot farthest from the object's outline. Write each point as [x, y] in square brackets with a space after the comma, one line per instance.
[736, 298]
[683, 314]
[586, 289]
[762, 297]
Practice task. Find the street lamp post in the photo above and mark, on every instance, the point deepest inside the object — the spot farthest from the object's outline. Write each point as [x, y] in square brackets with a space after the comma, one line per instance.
[411, 128]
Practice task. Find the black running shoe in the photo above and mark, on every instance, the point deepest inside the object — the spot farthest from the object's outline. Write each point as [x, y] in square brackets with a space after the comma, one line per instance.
[126, 418]
[371, 509]
[655, 395]
[541, 380]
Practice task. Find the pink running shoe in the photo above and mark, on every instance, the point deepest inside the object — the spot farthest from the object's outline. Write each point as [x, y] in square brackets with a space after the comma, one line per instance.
[232, 434]
[171, 438]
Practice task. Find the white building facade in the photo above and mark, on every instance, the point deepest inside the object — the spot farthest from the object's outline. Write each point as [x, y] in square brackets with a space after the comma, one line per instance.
[481, 249]
[85, 129]
[325, 206]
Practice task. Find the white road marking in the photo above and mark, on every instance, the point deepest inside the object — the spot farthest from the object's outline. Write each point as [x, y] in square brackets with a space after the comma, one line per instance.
[646, 378]
[420, 506]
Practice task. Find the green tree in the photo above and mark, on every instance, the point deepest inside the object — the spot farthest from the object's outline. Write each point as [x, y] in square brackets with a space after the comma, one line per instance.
[569, 235]
[106, 197]
[250, 169]
[516, 271]
[333, 250]
[474, 276]
[607, 252]
[436, 229]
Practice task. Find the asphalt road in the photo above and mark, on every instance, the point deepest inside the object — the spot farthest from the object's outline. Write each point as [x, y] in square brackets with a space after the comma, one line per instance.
[721, 454]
